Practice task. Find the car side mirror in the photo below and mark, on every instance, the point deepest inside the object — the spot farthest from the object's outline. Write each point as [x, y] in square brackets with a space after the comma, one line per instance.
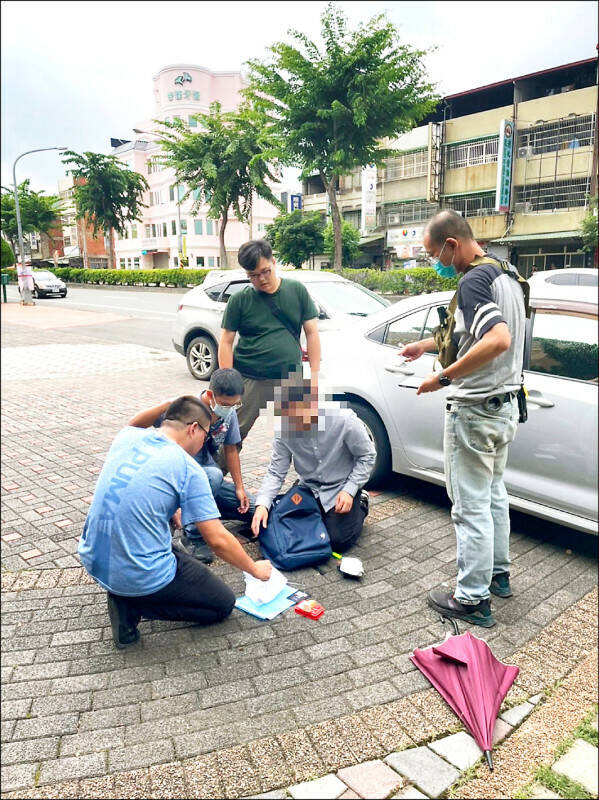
[322, 314]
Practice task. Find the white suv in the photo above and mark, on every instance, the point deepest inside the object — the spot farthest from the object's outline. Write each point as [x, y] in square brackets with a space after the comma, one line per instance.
[197, 326]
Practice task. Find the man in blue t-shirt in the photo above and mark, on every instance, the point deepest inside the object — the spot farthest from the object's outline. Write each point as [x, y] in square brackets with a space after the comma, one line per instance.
[126, 544]
[223, 398]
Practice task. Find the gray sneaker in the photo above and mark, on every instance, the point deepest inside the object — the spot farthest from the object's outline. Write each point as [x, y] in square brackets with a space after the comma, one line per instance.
[197, 548]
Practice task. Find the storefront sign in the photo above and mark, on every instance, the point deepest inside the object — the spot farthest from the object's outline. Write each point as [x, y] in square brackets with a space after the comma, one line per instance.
[296, 202]
[183, 95]
[407, 242]
[368, 217]
[181, 79]
[504, 166]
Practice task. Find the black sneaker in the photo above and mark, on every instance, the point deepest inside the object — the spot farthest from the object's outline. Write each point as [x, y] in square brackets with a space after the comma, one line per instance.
[365, 501]
[123, 621]
[197, 548]
[500, 585]
[446, 605]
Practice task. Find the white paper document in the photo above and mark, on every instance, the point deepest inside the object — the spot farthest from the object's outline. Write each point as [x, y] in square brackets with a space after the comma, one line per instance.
[264, 591]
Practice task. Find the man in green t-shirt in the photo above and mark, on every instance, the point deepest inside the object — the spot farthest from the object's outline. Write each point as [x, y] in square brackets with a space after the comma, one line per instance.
[268, 315]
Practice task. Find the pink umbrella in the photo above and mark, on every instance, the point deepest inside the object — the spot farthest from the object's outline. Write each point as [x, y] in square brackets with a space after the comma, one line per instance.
[471, 680]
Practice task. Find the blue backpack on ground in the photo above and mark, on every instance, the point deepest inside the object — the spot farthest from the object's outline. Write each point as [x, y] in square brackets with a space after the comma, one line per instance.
[296, 535]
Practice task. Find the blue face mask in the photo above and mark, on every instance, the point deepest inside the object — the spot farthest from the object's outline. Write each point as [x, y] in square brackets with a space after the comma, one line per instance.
[224, 412]
[441, 269]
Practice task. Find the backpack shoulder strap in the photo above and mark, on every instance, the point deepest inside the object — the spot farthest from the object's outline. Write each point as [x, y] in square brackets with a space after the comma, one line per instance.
[276, 312]
[511, 271]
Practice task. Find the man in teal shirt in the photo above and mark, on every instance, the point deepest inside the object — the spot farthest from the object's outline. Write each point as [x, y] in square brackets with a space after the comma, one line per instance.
[268, 315]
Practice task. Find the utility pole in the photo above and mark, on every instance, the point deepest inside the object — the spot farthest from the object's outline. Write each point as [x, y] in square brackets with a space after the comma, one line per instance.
[26, 274]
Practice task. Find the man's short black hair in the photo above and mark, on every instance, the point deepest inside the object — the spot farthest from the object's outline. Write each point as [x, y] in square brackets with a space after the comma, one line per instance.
[298, 393]
[188, 409]
[251, 252]
[448, 223]
[227, 382]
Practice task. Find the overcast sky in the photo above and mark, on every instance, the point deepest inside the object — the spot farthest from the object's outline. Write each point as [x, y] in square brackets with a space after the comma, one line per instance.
[77, 73]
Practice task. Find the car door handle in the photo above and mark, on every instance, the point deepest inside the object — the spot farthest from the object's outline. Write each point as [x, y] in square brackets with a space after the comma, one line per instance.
[538, 399]
[401, 369]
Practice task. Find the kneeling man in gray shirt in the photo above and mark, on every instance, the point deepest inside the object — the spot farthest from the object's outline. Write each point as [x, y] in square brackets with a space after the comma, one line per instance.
[331, 453]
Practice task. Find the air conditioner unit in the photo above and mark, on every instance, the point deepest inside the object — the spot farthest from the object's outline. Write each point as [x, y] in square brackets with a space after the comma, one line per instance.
[525, 152]
[482, 212]
[523, 208]
[393, 219]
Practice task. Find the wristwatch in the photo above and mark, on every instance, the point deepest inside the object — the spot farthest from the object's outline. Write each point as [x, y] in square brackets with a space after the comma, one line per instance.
[444, 380]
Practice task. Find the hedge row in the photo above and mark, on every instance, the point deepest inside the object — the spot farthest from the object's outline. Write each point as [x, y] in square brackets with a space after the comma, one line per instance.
[395, 281]
[400, 281]
[128, 277]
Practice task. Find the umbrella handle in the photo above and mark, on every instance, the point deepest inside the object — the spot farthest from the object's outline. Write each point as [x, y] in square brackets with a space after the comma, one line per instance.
[454, 624]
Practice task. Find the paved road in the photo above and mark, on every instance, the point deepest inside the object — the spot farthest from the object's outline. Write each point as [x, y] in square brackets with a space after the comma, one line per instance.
[138, 306]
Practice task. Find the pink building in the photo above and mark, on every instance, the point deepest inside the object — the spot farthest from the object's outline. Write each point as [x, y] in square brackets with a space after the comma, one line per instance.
[181, 90]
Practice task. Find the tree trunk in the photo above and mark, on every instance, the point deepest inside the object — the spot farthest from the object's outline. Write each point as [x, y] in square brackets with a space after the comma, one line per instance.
[111, 257]
[224, 264]
[336, 218]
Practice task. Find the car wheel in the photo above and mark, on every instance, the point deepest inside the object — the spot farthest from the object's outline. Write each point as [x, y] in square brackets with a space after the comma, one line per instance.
[201, 357]
[378, 434]
[35, 292]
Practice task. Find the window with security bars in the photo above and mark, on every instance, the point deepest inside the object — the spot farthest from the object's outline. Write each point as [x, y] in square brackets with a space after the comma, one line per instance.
[567, 133]
[407, 165]
[353, 217]
[481, 204]
[572, 193]
[400, 213]
[470, 154]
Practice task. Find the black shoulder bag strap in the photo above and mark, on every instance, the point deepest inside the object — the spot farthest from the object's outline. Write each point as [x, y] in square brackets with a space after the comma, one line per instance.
[275, 311]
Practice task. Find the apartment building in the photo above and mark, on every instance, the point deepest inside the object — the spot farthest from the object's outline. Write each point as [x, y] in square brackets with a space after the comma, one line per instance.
[79, 245]
[169, 234]
[518, 158]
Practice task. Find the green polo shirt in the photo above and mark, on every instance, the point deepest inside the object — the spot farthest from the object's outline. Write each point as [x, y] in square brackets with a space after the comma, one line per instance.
[266, 349]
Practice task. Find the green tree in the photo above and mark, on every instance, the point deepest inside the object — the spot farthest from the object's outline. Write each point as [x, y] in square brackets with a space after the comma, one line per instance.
[39, 212]
[327, 111]
[107, 194]
[588, 228]
[8, 256]
[296, 237]
[223, 163]
[350, 241]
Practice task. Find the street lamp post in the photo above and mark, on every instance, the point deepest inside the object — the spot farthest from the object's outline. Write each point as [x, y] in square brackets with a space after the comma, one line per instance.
[27, 299]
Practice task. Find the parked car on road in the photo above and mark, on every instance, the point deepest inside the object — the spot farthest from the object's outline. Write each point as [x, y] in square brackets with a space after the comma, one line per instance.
[552, 466]
[46, 284]
[197, 327]
[573, 282]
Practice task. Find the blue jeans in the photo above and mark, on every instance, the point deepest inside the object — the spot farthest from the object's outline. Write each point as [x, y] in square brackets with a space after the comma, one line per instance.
[226, 500]
[476, 450]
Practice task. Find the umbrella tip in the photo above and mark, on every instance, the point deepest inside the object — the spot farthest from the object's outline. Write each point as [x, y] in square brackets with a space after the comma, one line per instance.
[489, 758]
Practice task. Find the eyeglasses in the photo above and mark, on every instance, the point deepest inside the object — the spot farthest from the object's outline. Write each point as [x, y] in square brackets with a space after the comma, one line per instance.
[207, 432]
[265, 273]
[235, 407]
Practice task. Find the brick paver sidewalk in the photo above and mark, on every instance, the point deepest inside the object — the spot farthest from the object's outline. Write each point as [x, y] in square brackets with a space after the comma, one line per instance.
[76, 708]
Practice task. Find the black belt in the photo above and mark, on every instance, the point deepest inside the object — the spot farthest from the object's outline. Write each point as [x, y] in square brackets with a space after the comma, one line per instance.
[492, 403]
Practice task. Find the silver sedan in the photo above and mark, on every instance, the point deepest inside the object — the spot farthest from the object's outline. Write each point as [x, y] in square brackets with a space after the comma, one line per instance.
[552, 467]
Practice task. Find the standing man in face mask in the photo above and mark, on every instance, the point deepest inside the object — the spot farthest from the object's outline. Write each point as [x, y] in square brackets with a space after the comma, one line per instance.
[223, 398]
[481, 415]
